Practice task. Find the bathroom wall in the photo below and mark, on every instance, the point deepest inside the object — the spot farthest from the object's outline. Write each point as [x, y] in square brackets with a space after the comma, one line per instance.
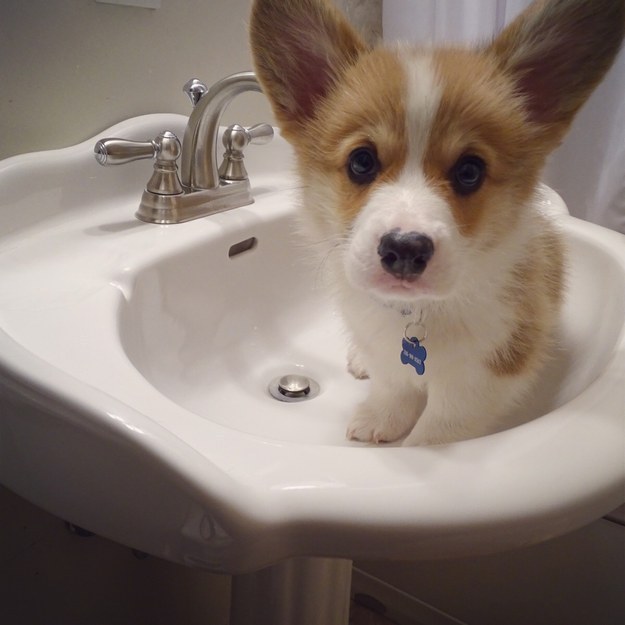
[71, 68]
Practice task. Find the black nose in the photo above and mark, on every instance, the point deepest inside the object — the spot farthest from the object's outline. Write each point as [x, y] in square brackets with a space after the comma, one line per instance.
[405, 254]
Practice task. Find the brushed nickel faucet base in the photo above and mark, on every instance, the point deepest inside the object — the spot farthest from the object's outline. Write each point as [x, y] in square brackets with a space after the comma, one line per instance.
[204, 189]
[174, 209]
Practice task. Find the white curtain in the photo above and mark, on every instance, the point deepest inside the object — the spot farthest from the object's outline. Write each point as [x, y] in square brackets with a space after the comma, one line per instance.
[438, 21]
[588, 170]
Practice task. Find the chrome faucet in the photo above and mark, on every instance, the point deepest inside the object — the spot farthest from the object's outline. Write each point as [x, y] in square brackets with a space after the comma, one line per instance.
[205, 188]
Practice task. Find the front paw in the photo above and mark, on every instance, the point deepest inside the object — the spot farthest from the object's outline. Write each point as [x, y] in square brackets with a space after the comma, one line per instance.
[373, 426]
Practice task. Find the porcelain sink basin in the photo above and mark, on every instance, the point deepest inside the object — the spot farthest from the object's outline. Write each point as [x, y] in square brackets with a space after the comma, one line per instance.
[134, 368]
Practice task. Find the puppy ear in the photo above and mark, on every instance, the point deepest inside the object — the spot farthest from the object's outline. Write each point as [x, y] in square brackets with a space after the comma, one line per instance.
[557, 52]
[300, 49]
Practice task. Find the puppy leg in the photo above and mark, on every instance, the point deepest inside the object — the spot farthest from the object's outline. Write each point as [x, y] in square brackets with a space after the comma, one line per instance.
[465, 409]
[386, 415]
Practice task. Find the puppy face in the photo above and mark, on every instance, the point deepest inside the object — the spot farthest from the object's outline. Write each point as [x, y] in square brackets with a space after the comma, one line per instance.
[416, 163]
[411, 168]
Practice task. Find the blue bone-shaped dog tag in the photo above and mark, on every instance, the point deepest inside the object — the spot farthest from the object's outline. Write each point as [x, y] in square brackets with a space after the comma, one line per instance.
[413, 354]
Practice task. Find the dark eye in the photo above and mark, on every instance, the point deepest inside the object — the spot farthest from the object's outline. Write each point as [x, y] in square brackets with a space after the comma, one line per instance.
[363, 165]
[468, 174]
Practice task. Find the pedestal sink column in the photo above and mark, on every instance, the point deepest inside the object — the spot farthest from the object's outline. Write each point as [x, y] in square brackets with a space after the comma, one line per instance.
[299, 591]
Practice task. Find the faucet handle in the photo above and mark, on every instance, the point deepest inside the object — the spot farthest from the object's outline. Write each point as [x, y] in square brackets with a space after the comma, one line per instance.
[195, 89]
[260, 134]
[165, 150]
[236, 138]
[113, 151]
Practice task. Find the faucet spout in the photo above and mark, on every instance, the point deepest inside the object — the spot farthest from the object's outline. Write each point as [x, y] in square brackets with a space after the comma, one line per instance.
[202, 191]
[199, 146]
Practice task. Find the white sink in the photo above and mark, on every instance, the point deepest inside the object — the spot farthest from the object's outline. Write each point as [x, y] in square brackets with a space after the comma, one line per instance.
[135, 359]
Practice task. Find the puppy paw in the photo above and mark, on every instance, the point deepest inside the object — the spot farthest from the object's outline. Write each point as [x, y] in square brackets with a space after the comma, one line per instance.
[371, 426]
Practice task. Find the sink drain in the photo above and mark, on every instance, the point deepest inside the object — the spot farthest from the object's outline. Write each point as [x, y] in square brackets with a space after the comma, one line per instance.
[293, 387]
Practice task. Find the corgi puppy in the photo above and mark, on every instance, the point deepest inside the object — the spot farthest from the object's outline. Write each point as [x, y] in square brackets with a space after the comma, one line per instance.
[420, 170]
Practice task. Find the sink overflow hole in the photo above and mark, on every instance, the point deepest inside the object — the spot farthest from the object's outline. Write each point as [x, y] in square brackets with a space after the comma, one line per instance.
[242, 246]
[293, 387]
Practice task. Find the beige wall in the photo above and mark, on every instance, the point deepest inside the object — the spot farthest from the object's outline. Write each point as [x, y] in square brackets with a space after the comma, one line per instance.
[71, 68]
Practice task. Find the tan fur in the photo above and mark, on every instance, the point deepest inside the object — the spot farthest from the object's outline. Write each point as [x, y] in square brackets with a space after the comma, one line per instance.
[535, 292]
[548, 39]
[368, 111]
[481, 114]
[498, 264]
[331, 46]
